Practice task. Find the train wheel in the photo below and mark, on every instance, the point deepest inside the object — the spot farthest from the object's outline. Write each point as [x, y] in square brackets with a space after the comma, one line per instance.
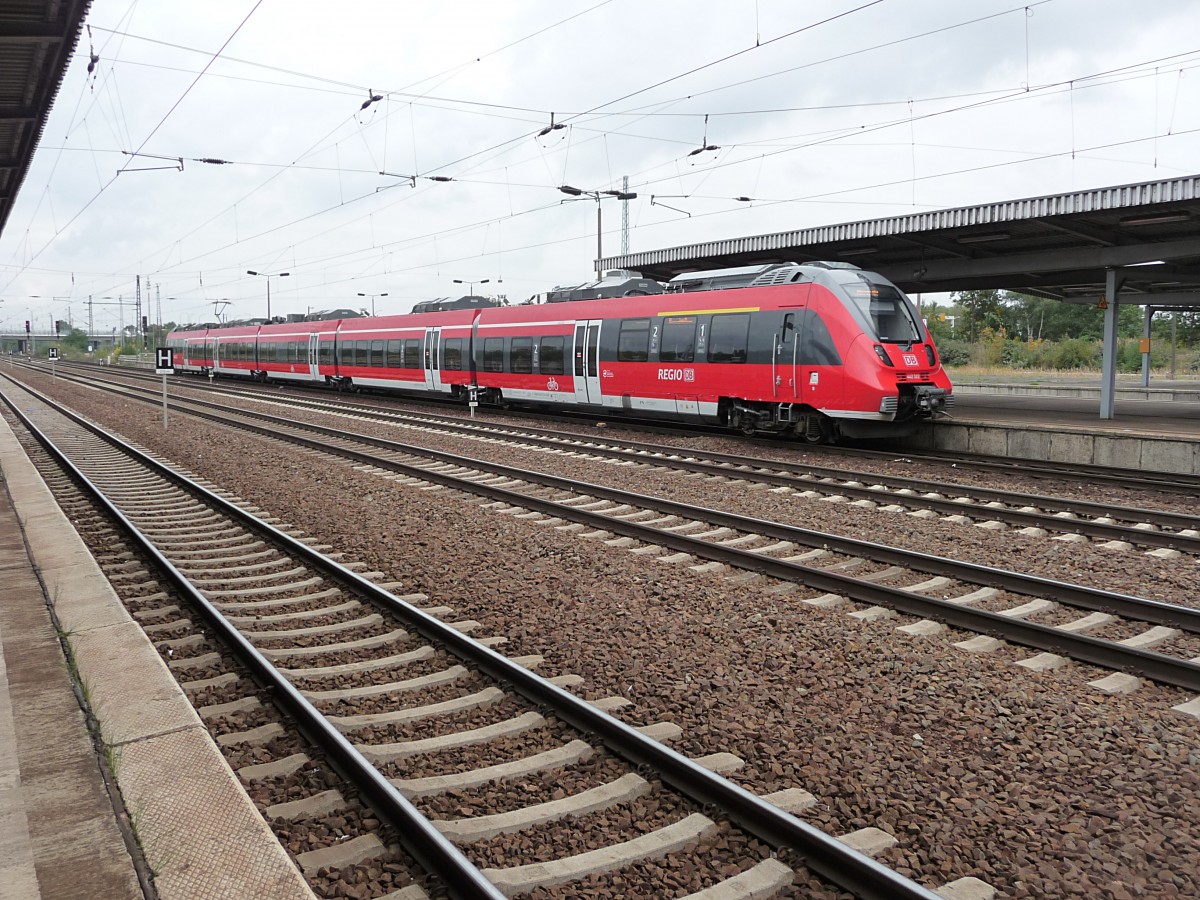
[817, 430]
[747, 426]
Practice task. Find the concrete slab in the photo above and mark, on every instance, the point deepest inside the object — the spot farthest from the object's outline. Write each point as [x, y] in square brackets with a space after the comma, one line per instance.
[980, 644]
[1043, 662]
[1117, 683]
[1066, 446]
[199, 831]
[1168, 456]
[1029, 444]
[992, 441]
[870, 841]
[1121, 452]
[969, 888]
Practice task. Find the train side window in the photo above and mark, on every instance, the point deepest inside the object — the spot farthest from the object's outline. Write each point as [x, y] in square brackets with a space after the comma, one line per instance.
[395, 354]
[377, 351]
[678, 339]
[325, 353]
[412, 353]
[452, 354]
[728, 338]
[552, 356]
[817, 347]
[633, 344]
[593, 336]
[521, 354]
[493, 355]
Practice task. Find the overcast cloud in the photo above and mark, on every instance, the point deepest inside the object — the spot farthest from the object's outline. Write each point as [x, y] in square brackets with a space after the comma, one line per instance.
[853, 118]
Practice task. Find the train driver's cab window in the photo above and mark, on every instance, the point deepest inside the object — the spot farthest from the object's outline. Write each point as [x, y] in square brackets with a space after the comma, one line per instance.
[633, 343]
[678, 339]
[728, 337]
[887, 309]
[493, 355]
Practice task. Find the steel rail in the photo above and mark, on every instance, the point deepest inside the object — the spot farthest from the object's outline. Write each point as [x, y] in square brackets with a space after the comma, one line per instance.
[820, 852]
[1091, 473]
[1156, 666]
[1153, 611]
[678, 459]
[428, 846]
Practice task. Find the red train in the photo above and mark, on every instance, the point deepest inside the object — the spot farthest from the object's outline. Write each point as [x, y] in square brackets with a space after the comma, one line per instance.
[819, 350]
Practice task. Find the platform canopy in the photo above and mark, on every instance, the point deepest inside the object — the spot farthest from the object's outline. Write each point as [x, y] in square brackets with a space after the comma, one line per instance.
[1059, 246]
[37, 38]
[1130, 243]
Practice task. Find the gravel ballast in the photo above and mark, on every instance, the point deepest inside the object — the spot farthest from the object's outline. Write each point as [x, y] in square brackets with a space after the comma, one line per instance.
[1032, 782]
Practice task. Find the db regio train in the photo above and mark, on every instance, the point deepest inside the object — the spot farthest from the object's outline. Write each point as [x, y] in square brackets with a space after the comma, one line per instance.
[817, 350]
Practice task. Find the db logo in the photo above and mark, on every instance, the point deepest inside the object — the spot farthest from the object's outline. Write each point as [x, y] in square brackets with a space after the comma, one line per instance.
[910, 359]
[676, 374]
[552, 384]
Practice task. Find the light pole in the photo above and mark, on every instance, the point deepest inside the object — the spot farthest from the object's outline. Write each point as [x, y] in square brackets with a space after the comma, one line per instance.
[372, 296]
[472, 284]
[269, 276]
[597, 196]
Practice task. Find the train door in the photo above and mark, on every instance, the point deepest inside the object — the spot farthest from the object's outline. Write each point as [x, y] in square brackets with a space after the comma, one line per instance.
[819, 365]
[433, 369]
[785, 371]
[587, 362]
[313, 372]
[216, 355]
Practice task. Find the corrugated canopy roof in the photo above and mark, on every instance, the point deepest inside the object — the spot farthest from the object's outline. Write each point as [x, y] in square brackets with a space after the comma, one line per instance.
[37, 38]
[1054, 246]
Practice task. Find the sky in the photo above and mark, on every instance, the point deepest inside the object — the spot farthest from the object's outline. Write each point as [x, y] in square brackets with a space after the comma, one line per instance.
[219, 137]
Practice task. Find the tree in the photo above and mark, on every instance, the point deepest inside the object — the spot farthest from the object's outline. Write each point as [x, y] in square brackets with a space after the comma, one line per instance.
[980, 310]
[77, 339]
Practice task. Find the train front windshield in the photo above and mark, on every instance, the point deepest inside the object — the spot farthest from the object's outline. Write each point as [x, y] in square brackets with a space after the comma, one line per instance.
[885, 307]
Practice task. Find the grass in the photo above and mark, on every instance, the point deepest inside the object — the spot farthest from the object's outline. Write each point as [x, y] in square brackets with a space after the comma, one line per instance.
[1005, 373]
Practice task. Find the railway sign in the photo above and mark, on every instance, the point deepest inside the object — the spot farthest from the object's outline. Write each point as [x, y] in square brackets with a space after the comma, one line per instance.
[163, 363]
[53, 353]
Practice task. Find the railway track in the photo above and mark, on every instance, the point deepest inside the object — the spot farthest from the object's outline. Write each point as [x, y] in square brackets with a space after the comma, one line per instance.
[1088, 474]
[1161, 532]
[339, 655]
[1061, 620]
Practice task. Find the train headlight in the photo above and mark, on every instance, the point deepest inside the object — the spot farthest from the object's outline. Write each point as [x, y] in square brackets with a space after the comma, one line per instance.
[929, 355]
[882, 354]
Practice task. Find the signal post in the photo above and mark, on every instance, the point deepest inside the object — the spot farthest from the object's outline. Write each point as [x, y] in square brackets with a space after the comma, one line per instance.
[164, 365]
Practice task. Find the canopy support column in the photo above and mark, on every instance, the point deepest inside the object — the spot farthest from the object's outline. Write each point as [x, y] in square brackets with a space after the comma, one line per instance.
[1108, 374]
[1149, 314]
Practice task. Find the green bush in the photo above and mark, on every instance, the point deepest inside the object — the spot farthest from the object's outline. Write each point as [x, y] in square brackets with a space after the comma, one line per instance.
[1016, 355]
[1074, 353]
[954, 352]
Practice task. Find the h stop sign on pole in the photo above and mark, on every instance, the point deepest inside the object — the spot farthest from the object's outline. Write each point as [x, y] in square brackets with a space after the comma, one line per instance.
[164, 365]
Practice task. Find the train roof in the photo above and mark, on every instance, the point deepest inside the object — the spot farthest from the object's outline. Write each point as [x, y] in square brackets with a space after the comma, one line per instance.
[754, 276]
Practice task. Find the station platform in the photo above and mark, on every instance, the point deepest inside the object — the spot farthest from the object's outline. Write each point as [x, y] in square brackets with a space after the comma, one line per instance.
[77, 809]
[1156, 428]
